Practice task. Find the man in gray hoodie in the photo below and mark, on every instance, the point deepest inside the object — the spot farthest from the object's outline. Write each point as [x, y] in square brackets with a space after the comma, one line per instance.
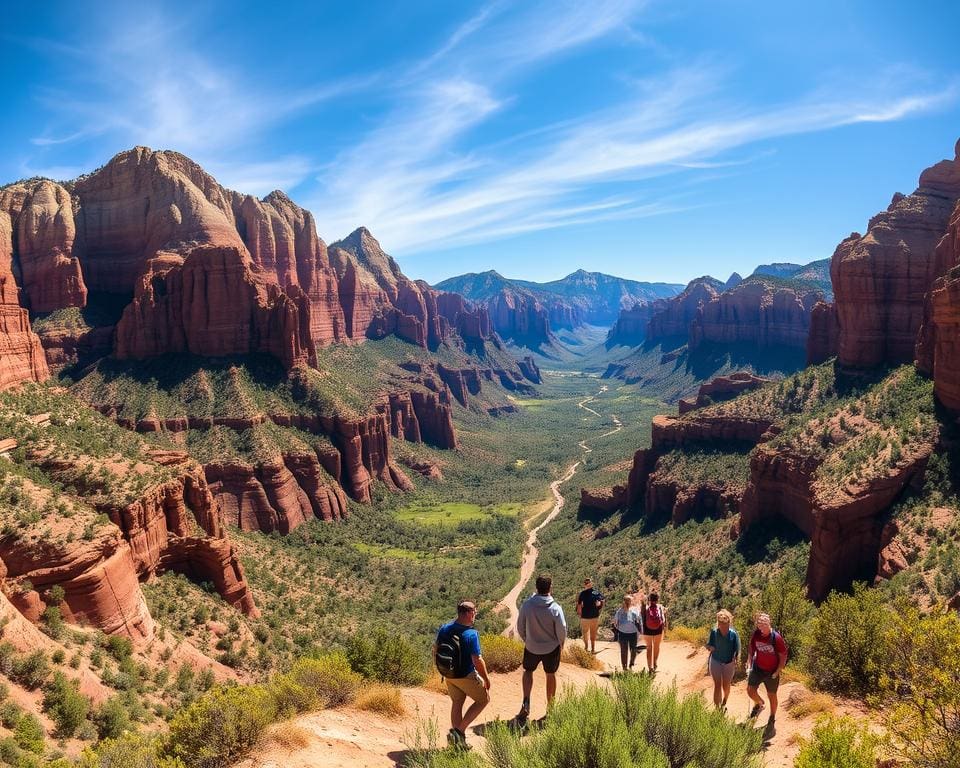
[543, 629]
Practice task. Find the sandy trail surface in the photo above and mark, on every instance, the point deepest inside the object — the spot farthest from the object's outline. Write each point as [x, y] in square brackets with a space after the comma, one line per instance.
[350, 738]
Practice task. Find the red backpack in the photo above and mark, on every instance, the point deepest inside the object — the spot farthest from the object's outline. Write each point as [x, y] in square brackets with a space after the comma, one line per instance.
[653, 616]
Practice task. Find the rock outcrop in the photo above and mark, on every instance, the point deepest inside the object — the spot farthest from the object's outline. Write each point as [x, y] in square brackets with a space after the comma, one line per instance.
[212, 304]
[938, 343]
[824, 339]
[722, 388]
[21, 356]
[755, 312]
[675, 318]
[630, 329]
[880, 279]
[45, 233]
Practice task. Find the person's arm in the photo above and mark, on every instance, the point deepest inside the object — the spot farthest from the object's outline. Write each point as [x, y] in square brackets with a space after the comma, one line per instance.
[522, 623]
[579, 606]
[481, 666]
[561, 623]
[781, 655]
[710, 646]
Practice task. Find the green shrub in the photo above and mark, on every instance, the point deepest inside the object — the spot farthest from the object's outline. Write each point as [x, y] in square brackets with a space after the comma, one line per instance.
[847, 650]
[501, 654]
[920, 687]
[28, 733]
[221, 726]
[31, 671]
[387, 657]
[133, 750]
[633, 726]
[67, 707]
[839, 743]
[9, 751]
[330, 676]
[111, 718]
[10, 714]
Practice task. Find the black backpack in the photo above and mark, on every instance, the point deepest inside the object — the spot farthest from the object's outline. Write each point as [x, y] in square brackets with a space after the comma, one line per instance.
[450, 658]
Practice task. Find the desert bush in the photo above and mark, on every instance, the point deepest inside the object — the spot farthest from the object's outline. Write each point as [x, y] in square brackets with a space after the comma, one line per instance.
[31, 671]
[579, 657]
[920, 687]
[289, 736]
[839, 743]
[387, 657]
[847, 650]
[28, 733]
[501, 654]
[633, 726]
[221, 726]
[697, 636]
[330, 676]
[111, 718]
[132, 750]
[10, 713]
[67, 707]
[381, 698]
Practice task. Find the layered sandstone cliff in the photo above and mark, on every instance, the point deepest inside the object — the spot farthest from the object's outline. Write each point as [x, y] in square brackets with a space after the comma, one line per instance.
[756, 312]
[880, 279]
[21, 356]
[675, 318]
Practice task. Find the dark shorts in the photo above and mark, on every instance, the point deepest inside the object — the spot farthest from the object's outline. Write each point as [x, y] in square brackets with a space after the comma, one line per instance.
[758, 676]
[551, 661]
[657, 631]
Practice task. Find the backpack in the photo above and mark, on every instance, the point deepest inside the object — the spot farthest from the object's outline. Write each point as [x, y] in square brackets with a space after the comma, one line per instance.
[450, 658]
[653, 619]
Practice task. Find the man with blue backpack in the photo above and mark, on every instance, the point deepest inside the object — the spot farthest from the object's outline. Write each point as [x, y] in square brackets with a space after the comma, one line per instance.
[456, 654]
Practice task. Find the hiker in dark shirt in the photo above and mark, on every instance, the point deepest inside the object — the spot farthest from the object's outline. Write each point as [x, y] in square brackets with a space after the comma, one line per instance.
[589, 603]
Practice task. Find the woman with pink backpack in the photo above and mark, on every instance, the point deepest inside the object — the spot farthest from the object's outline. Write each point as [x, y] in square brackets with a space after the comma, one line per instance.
[654, 621]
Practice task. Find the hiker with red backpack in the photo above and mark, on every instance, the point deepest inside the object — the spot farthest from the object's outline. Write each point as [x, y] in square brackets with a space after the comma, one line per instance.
[766, 659]
[456, 654]
[654, 622]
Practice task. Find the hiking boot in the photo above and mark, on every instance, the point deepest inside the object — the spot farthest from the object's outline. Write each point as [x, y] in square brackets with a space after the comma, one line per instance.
[523, 714]
[457, 740]
[757, 709]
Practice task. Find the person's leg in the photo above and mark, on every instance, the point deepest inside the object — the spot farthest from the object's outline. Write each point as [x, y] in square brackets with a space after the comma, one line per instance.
[527, 685]
[633, 649]
[481, 697]
[715, 676]
[551, 687]
[656, 649]
[650, 653]
[622, 641]
[753, 684]
[728, 671]
[773, 684]
[457, 697]
[593, 634]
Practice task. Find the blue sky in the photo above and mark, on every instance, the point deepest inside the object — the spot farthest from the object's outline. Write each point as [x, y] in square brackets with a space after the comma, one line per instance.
[653, 140]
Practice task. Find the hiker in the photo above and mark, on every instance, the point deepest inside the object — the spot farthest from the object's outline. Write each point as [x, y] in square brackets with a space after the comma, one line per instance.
[626, 621]
[724, 647]
[766, 658]
[654, 620]
[456, 654]
[589, 603]
[543, 629]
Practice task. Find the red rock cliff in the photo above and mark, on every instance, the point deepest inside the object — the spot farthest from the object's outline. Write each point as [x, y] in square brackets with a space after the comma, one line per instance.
[675, 318]
[880, 279]
[21, 356]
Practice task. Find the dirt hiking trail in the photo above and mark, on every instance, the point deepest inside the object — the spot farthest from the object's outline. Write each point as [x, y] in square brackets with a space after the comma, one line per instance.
[351, 738]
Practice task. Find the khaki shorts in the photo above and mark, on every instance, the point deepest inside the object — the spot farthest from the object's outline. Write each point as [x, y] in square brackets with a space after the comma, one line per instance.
[460, 687]
[721, 672]
[588, 627]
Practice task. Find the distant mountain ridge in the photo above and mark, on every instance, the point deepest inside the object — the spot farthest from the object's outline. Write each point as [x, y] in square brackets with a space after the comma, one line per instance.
[528, 312]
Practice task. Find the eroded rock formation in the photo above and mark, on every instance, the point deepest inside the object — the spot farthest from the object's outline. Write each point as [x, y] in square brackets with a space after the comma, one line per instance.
[722, 388]
[881, 278]
[675, 318]
[21, 356]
